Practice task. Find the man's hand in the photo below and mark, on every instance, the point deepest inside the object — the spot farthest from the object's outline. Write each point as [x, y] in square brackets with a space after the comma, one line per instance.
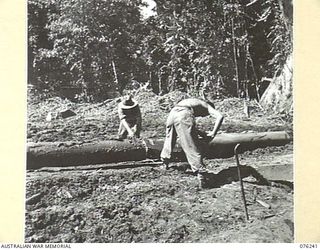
[134, 129]
[211, 134]
[202, 134]
[130, 132]
[134, 140]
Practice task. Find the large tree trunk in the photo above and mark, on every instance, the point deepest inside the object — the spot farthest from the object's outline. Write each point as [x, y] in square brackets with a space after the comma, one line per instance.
[72, 154]
[279, 94]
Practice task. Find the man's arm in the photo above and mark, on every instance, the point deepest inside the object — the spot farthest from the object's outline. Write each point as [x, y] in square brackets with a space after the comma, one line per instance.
[139, 121]
[122, 118]
[202, 134]
[139, 117]
[126, 125]
[137, 127]
[219, 119]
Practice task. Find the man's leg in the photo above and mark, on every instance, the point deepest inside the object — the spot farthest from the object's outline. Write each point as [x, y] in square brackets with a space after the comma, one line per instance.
[189, 142]
[169, 143]
[137, 127]
[188, 139]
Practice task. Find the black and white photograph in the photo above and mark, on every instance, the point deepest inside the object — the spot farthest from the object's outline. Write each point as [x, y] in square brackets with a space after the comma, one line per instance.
[159, 121]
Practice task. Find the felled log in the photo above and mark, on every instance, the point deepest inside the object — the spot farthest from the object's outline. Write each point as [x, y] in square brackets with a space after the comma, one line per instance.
[57, 154]
[72, 154]
[222, 146]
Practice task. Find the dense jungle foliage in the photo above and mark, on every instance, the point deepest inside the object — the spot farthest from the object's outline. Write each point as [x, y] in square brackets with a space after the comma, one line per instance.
[98, 47]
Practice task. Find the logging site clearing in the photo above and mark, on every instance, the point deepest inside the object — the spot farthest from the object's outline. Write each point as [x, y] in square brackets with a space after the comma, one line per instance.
[139, 201]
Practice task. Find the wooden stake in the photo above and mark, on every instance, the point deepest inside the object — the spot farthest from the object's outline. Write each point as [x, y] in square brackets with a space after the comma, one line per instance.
[241, 184]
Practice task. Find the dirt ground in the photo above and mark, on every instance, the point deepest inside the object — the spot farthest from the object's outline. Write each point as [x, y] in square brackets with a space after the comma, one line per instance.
[149, 204]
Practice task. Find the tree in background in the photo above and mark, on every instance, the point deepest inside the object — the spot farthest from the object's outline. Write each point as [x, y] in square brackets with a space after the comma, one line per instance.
[187, 46]
[89, 44]
[225, 47]
[217, 47]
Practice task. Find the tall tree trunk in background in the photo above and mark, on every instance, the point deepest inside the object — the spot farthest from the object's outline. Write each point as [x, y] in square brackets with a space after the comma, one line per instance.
[116, 76]
[279, 94]
[256, 81]
[235, 58]
[160, 82]
[286, 15]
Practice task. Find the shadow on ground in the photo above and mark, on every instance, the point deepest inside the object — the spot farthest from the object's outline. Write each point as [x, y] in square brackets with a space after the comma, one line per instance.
[229, 175]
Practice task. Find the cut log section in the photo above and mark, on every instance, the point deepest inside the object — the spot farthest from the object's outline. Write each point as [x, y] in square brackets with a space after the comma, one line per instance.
[53, 154]
[222, 146]
[56, 154]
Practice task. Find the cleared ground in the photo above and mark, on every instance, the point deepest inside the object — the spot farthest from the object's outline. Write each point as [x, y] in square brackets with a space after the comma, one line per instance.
[148, 204]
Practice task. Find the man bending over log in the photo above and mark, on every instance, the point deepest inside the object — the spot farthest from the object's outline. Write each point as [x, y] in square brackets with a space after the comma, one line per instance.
[130, 118]
[181, 124]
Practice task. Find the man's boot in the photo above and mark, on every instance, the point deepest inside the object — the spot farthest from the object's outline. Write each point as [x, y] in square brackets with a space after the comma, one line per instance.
[165, 165]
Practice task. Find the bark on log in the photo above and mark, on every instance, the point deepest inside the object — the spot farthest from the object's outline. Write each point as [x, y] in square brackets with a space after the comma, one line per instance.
[72, 154]
[222, 146]
[55, 154]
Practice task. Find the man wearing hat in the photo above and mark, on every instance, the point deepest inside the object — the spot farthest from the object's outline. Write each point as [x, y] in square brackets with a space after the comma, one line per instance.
[130, 118]
[181, 124]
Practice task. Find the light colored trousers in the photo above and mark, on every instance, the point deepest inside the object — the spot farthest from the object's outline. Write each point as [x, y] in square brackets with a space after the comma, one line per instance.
[181, 124]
